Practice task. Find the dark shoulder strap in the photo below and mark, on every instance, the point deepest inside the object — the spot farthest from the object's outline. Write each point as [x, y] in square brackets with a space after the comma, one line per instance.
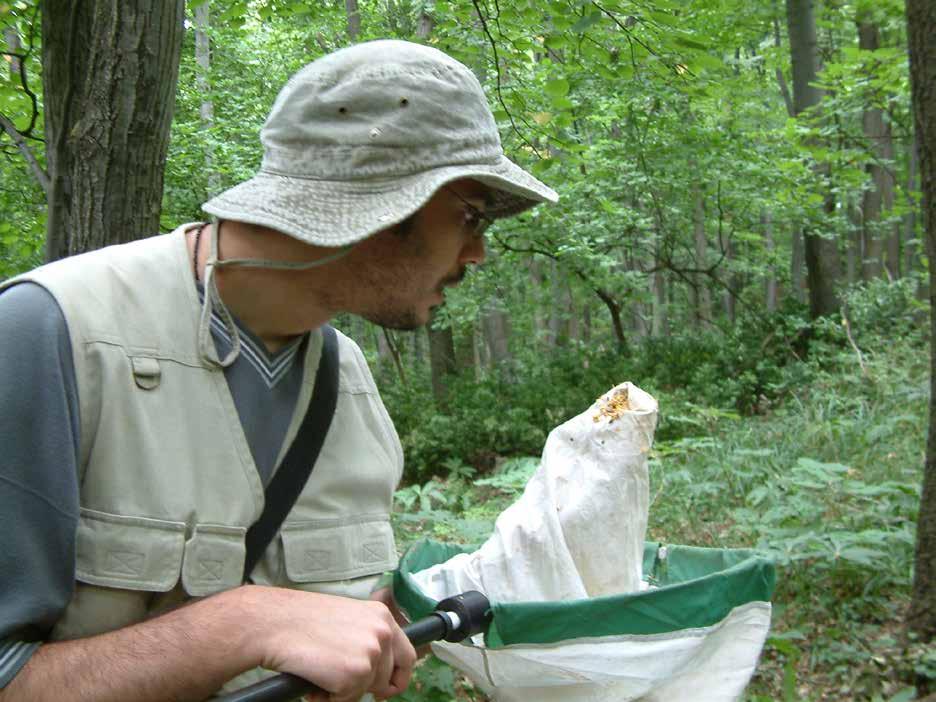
[283, 490]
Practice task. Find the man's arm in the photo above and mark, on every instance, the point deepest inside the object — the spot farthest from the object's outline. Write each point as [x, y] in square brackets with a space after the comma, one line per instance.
[348, 647]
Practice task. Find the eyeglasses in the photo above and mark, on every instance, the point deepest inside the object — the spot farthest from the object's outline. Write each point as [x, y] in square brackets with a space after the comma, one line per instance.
[476, 221]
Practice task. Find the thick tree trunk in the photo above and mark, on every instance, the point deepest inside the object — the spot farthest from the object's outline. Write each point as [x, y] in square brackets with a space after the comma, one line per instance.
[109, 74]
[921, 35]
[881, 243]
[821, 254]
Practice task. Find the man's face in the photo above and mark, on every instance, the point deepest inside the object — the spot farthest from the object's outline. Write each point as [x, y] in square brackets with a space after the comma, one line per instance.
[401, 275]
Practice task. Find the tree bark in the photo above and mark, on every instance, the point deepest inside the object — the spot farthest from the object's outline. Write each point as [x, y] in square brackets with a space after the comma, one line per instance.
[354, 20]
[921, 35]
[797, 263]
[109, 73]
[203, 81]
[11, 36]
[701, 293]
[496, 326]
[854, 255]
[821, 254]
[733, 282]
[910, 245]
[442, 364]
[881, 243]
[659, 326]
[770, 285]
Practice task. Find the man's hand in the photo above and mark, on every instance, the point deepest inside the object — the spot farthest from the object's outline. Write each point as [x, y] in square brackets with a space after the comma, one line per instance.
[385, 596]
[345, 646]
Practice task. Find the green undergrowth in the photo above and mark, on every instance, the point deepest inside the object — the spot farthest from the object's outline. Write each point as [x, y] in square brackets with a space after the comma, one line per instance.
[824, 477]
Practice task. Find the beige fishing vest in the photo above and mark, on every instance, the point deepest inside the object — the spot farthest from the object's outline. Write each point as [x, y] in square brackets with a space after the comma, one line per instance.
[168, 484]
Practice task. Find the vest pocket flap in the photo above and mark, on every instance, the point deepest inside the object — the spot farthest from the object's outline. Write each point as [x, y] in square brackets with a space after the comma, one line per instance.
[146, 371]
[318, 552]
[214, 559]
[131, 553]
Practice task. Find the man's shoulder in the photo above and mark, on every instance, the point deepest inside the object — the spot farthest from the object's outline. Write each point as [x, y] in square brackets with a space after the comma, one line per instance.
[355, 373]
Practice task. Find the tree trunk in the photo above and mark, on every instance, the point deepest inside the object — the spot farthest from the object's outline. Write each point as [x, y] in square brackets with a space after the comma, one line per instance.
[496, 326]
[703, 298]
[797, 263]
[910, 245]
[442, 364]
[464, 341]
[822, 264]
[354, 20]
[879, 241]
[770, 285]
[109, 74]
[203, 81]
[586, 328]
[540, 319]
[921, 34]
[854, 254]
[659, 326]
[732, 280]
[11, 37]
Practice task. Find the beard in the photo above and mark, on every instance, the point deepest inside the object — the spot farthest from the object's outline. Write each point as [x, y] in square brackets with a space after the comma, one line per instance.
[396, 320]
[399, 316]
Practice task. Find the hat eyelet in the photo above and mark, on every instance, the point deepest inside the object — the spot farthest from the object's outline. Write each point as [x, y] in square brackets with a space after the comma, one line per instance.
[343, 110]
[404, 102]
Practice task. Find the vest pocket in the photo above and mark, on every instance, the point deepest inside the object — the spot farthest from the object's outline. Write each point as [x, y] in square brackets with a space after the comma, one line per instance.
[131, 553]
[214, 559]
[320, 551]
[146, 372]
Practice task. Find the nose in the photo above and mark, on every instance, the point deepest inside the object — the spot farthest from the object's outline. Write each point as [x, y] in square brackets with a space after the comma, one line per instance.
[473, 251]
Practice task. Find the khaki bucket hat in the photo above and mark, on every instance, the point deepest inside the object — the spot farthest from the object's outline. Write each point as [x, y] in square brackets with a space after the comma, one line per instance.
[360, 139]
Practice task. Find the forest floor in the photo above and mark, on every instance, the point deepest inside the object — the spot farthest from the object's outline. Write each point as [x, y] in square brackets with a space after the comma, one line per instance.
[826, 482]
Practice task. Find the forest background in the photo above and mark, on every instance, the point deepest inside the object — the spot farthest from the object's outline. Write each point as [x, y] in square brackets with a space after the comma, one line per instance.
[739, 234]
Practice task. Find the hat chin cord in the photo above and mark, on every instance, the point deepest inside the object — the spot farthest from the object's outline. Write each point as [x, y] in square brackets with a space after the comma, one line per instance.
[213, 299]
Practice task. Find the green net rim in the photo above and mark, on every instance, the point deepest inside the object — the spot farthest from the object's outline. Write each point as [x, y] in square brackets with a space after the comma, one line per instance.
[694, 587]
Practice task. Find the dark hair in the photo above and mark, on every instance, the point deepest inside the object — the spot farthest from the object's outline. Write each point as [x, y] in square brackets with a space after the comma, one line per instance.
[404, 228]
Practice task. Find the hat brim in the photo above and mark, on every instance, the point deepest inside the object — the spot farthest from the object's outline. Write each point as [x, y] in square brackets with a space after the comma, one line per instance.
[336, 213]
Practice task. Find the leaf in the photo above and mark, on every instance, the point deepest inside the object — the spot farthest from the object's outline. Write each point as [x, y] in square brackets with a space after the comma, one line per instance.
[543, 165]
[586, 22]
[557, 87]
[689, 43]
[235, 12]
[862, 556]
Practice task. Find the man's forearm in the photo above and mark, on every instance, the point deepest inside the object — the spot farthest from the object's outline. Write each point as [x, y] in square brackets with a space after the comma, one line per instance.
[186, 654]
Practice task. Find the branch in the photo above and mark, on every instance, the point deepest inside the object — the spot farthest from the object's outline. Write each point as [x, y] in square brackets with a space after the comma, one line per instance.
[785, 92]
[630, 36]
[497, 89]
[24, 149]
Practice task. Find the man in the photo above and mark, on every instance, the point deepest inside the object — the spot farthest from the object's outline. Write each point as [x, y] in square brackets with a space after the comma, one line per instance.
[151, 390]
